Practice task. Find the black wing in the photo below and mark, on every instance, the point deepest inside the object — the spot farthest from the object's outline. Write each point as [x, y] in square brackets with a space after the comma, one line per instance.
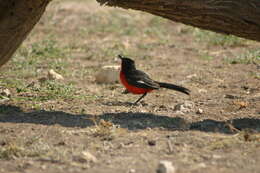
[141, 80]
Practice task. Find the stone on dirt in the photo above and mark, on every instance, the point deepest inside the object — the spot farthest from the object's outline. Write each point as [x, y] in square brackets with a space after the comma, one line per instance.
[89, 157]
[85, 156]
[132, 171]
[191, 76]
[165, 167]
[5, 92]
[52, 75]
[199, 111]
[185, 107]
[202, 91]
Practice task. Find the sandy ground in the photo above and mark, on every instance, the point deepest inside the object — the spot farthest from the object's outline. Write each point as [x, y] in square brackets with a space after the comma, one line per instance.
[78, 125]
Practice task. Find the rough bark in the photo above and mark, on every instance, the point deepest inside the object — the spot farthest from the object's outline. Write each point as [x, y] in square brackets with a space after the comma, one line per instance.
[17, 18]
[236, 17]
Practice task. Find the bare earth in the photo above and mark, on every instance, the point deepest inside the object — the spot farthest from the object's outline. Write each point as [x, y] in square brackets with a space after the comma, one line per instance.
[77, 125]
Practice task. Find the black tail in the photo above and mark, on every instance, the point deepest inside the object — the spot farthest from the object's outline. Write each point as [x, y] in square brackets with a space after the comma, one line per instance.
[174, 87]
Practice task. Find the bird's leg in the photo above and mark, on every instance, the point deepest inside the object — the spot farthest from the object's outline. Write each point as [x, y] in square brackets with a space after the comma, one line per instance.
[140, 98]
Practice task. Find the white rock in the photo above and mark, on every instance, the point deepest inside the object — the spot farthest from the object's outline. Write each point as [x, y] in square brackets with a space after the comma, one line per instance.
[89, 157]
[165, 167]
[132, 171]
[185, 107]
[199, 111]
[85, 157]
[191, 76]
[44, 167]
[6, 92]
[215, 156]
[108, 74]
[202, 91]
[201, 165]
[52, 75]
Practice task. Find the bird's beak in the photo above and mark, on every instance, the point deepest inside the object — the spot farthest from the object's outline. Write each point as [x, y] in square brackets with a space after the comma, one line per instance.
[120, 57]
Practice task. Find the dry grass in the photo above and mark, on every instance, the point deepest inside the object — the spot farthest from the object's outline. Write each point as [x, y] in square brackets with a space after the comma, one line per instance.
[50, 126]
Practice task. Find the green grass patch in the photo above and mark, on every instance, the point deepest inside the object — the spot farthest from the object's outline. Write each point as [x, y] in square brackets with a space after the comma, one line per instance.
[215, 39]
[250, 57]
[49, 90]
[12, 82]
[123, 24]
[30, 59]
[55, 90]
[204, 55]
[111, 23]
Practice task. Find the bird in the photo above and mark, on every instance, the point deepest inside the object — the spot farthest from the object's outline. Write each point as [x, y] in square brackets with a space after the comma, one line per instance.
[138, 82]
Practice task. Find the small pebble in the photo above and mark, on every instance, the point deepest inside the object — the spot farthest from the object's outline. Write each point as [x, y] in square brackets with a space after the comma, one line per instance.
[185, 107]
[199, 111]
[132, 171]
[52, 75]
[165, 167]
[216, 156]
[85, 157]
[191, 76]
[88, 156]
[202, 91]
[152, 142]
[6, 92]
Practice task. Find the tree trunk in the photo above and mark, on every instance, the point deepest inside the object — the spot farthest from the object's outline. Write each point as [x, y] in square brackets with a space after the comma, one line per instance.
[237, 17]
[17, 18]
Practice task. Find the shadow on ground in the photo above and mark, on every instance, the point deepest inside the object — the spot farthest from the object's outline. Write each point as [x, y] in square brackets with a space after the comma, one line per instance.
[130, 120]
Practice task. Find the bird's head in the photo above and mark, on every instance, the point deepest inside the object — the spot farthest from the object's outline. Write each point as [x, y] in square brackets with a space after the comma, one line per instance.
[127, 63]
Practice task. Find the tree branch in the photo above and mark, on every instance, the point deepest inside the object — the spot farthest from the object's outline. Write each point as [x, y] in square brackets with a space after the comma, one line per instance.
[236, 17]
[17, 18]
